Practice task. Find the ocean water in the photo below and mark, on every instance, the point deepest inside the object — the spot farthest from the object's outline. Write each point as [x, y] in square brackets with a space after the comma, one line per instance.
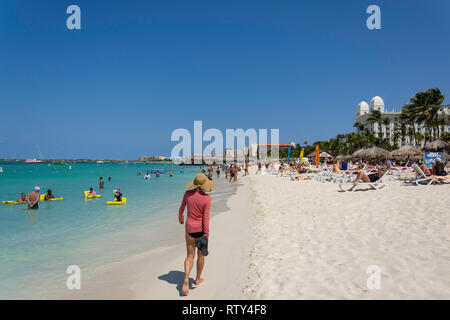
[37, 246]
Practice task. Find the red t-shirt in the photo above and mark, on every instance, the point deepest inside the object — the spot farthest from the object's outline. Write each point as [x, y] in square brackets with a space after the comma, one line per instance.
[198, 204]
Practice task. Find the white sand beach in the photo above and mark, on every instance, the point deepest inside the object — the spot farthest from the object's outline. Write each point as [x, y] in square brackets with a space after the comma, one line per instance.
[283, 239]
[313, 242]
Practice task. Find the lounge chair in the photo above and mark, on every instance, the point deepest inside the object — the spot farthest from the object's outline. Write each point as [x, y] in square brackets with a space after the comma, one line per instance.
[422, 178]
[377, 185]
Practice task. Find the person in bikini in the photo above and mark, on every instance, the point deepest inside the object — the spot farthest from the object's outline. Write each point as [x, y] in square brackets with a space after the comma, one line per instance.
[23, 198]
[198, 205]
[91, 192]
[218, 172]
[336, 166]
[49, 195]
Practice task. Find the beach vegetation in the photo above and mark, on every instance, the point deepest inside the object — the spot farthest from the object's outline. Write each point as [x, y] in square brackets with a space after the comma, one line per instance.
[423, 108]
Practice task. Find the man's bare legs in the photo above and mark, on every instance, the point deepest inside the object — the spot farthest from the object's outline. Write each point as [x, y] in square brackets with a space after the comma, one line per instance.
[361, 176]
[425, 169]
[189, 263]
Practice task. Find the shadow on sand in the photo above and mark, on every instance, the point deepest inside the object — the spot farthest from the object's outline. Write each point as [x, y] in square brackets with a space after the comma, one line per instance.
[177, 277]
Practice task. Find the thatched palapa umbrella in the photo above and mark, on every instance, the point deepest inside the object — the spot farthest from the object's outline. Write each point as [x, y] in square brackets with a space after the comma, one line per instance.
[374, 153]
[343, 157]
[407, 152]
[357, 154]
[436, 145]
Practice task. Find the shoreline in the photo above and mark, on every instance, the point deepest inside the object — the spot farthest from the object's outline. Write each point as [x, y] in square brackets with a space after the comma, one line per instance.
[158, 273]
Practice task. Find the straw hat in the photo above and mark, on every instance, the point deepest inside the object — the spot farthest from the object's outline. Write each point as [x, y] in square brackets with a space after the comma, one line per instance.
[201, 181]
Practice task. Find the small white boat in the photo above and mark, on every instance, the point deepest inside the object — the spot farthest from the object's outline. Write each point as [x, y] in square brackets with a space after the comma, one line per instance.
[33, 161]
[100, 161]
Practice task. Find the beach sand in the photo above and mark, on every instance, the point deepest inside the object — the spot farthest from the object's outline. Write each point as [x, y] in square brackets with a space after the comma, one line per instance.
[226, 266]
[313, 242]
[159, 273]
[283, 239]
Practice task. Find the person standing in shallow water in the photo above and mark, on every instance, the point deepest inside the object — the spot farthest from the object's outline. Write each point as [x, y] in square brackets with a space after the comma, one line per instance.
[198, 204]
[101, 184]
[33, 198]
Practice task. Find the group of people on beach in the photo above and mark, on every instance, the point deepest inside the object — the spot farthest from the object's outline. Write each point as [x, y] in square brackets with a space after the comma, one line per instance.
[230, 170]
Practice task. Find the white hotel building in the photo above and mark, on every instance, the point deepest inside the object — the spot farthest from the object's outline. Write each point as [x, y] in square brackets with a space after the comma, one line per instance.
[376, 103]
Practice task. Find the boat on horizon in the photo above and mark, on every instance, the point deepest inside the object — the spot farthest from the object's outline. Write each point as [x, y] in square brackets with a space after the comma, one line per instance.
[99, 161]
[34, 161]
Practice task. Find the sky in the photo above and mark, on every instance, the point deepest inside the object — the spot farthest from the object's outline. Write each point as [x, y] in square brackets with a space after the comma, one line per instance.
[138, 70]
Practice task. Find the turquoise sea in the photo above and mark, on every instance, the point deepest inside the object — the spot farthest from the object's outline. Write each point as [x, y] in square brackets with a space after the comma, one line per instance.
[37, 246]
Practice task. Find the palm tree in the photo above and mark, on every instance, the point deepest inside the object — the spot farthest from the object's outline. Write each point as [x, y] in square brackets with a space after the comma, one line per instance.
[386, 123]
[409, 116]
[435, 99]
[359, 126]
[376, 117]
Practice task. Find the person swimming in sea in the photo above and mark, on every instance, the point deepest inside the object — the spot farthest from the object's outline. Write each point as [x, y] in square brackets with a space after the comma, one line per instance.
[147, 176]
[117, 195]
[109, 179]
[23, 198]
[170, 173]
[101, 183]
[91, 192]
[33, 198]
[158, 174]
[49, 195]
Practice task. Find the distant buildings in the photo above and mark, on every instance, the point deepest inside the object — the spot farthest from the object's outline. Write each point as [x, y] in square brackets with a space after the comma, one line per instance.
[153, 159]
[387, 130]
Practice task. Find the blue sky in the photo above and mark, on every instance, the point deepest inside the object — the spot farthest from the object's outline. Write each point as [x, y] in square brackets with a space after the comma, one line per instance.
[137, 70]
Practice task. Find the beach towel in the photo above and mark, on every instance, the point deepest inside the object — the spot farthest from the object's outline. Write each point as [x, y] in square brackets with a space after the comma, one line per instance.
[344, 165]
[202, 245]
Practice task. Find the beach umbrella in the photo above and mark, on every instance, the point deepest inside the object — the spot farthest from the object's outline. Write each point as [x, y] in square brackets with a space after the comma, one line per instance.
[436, 145]
[375, 153]
[342, 157]
[357, 154]
[407, 152]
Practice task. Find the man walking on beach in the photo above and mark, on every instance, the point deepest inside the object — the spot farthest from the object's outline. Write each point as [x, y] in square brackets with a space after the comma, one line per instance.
[33, 198]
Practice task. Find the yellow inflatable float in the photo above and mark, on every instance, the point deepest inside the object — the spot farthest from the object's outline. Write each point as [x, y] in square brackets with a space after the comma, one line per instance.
[91, 197]
[116, 203]
[42, 198]
[13, 202]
